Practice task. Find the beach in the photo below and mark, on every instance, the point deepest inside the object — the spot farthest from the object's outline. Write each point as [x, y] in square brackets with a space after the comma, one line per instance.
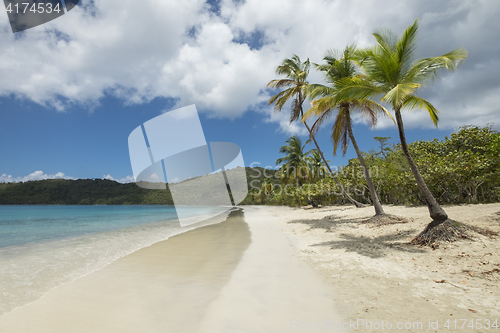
[382, 278]
[281, 269]
[241, 275]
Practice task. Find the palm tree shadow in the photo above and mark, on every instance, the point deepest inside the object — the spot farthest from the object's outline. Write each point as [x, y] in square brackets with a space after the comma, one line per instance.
[329, 222]
[376, 247]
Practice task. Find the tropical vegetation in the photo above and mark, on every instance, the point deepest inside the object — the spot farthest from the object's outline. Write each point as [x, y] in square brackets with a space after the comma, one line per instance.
[338, 67]
[463, 168]
[295, 90]
[393, 75]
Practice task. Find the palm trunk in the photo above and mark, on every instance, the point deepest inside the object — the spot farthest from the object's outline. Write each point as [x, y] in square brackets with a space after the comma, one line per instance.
[373, 193]
[437, 213]
[311, 135]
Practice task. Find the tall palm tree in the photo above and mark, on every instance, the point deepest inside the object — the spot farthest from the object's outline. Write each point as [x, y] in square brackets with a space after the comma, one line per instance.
[296, 164]
[294, 87]
[393, 73]
[339, 66]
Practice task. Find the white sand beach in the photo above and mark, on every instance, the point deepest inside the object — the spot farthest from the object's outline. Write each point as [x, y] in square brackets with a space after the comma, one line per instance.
[279, 269]
[380, 277]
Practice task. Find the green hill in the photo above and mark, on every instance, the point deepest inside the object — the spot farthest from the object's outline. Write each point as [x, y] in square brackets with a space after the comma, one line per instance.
[94, 192]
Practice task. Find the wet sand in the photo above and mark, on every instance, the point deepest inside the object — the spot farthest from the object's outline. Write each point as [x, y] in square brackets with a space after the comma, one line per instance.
[241, 275]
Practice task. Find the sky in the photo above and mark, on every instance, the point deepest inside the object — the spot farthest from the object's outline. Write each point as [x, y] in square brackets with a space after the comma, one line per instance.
[73, 89]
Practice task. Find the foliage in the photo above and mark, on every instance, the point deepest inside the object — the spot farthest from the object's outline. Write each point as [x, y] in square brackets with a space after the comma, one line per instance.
[295, 86]
[383, 144]
[100, 191]
[392, 72]
[339, 66]
[80, 192]
[463, 168]
[297, 165]
[318, 167]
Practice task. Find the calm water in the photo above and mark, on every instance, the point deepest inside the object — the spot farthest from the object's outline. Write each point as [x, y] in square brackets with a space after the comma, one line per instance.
[42, 247]
[20, 225]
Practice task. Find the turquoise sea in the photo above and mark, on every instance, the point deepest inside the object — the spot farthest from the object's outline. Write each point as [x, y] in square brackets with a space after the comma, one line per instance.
[20, 225]
[42, 247]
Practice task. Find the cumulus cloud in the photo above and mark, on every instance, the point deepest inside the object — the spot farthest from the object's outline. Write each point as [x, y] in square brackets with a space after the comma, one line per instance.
[40, 175]
[37, 175]
[127, 179]
[221, 61]
[283, 119]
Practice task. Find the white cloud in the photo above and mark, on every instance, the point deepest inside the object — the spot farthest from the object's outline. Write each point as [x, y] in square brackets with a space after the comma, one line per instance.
[154, 178]
[127, 179]
[175, 180]
[139, 50]
[40, 175]
[294, 128]
[37, 175]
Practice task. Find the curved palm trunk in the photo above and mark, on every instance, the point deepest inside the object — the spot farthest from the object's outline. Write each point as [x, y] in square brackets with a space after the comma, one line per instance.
[373, 194]
[436, 212]
[356, 203]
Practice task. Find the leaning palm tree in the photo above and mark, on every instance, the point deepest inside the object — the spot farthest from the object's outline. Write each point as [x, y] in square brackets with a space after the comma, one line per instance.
[340, 65]
[393, 73]
[296, 164]
[294, 87]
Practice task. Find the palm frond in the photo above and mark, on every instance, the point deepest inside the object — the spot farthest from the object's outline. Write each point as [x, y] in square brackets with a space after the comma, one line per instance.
[280, 99]
[339, 132]
[378, 108]
[324, 105]
[282, 83]
[406, 46]
[296, 110]
[426, 69]
[412, 102]
[367, 112]
[357, 88]
[319, 90]
[386, 40]
[399, 93]
[319, 121]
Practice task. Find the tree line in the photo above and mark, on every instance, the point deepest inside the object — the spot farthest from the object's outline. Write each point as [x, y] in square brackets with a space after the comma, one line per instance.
[463, 168]
[80, 192]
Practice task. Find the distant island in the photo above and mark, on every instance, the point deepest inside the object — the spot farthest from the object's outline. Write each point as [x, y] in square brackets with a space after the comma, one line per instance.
[96, 191]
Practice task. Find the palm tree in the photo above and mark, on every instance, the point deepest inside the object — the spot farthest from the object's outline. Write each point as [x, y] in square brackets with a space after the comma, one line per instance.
[393, 73]
[318, 166]
[338, 67]
[296, 164]
[295, 88]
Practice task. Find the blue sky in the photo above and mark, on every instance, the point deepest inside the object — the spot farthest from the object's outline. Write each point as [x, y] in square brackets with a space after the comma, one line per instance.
[84, 144]
[68, 111]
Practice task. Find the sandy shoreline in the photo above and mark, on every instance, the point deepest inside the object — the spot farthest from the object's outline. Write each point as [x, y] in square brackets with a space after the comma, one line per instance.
[279, 269]
[241, 275]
